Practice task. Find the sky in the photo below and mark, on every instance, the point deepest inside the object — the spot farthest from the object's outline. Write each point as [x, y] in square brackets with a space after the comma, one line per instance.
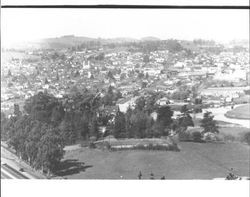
[19, 25]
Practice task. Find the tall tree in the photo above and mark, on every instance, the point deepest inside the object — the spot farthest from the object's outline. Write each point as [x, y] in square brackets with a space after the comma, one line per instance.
[67, 129]
[40, 106]
[139, 126]
[94, 132]
[209, 124]
[120, 125]
[164, 115]
[4, 121]
[140, 103]
[50, 150]
[184, 119]
[129, 130]
[32, 141]
[17, 111]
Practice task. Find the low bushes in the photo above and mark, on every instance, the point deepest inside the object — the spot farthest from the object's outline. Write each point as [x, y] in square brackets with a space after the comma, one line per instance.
[92, 145]
[212, 137]
[197, 136]
[246, 138]
[162, 147]
[138, 144]
[185, 136]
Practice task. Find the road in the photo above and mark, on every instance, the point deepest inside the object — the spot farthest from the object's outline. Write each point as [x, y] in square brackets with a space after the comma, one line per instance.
[8, 172]
[219, 114]
[11, 165]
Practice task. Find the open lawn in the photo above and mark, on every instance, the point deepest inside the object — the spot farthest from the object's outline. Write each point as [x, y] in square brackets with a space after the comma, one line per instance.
[194, 161]
[240, 112]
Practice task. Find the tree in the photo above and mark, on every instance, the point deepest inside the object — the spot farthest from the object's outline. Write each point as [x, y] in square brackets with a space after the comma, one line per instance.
[84, 126]
[32, 141]
[41, 106]
[94, 132]
[165, 115]
[119, 125]
[184, 119]
[19, 133]
[57, 114]
[17, 111]
[184, 109]
[67, 129]
[173, 46]
[50, 150]
[209, 124]
[151, 103]
[129, 130]
[140, 103]
[138, 124]
[180, 95]
[4, 121]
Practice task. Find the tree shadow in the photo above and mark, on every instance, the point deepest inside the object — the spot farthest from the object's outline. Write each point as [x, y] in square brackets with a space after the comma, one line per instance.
[71, 166]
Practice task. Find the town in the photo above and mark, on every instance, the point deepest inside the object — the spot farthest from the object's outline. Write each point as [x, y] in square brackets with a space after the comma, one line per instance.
[132, 69]
[123, 94]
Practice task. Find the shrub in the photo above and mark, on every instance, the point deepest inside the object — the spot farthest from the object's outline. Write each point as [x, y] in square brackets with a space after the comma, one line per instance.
[211, 137]
[150, 146]
[84, 143]
[184, 136]
[196, 136]
[92, 145]
[246, 138]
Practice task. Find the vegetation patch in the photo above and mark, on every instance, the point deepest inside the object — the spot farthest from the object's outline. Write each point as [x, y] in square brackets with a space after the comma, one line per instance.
[138, 144]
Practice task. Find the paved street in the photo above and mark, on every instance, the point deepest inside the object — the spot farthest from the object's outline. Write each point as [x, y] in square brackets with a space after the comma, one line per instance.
[7, 172]
[219, 114]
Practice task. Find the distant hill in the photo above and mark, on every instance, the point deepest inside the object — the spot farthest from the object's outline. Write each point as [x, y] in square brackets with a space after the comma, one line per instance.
[64, 41]
[121, 40]
[150, 38]
[56, 43]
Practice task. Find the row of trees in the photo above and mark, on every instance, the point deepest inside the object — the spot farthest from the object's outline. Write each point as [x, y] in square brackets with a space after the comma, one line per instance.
[34, 140]
[140, 123]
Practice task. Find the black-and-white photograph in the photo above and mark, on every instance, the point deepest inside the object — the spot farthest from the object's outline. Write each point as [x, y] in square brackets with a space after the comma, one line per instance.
[125, 94]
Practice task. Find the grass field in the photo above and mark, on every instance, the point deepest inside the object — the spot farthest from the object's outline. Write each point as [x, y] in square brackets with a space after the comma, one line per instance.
[240, 112]
[194, 161]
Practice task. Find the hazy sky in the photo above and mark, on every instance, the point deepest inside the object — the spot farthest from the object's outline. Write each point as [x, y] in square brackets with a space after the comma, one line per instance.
[30, 24]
